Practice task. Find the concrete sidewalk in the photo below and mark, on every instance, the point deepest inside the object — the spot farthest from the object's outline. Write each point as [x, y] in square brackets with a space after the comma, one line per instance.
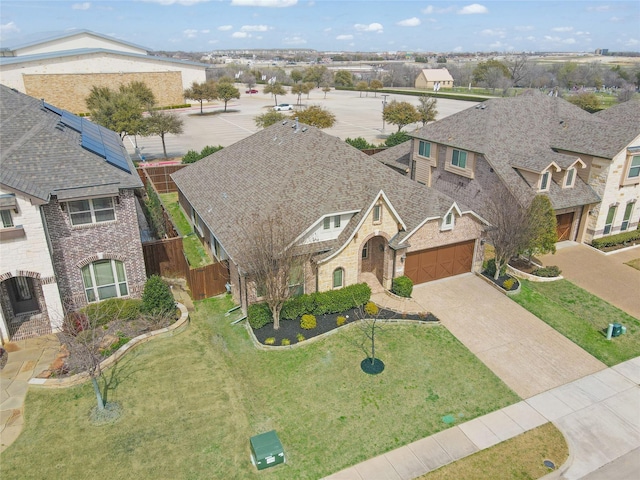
[597, 414]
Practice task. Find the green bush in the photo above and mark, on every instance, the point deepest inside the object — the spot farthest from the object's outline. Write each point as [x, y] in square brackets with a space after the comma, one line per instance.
[341, 321]
[333, 301]
[259, 315]
[490, 268]
[101, 313]
[396, 139]
[191, 157]
[550, 271]
[308, 322]
[402, 286]
[122, 340]
[508, 283]
[157, 298]
[209, 149]
[371, 309]
[359, 143]
[300, 337]
[269, 341]
[617, 239]
[285, 342]
[297, 306]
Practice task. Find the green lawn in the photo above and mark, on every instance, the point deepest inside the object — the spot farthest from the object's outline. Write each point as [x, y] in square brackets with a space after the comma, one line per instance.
[583, 318]
[191, 402]
[197, 256]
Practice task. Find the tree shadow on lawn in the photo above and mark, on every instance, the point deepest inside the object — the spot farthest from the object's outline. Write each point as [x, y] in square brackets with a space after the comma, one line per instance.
[290, 329]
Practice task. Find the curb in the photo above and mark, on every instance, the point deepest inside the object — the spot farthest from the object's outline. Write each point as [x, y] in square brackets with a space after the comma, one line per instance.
[177, 327]
[532, 278]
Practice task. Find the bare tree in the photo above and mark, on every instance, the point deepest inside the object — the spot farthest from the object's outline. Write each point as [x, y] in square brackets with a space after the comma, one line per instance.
[518, 68]
[272, 261]
[369, 325]
[509, 231]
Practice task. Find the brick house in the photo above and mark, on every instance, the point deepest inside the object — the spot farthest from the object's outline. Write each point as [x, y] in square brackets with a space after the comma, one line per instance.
[587, 164]
[69, 232]
[360, 220]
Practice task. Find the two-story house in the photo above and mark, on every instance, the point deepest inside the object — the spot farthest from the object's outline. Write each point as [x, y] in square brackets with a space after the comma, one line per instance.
[69, 233]
[360, 220]
[535, 144]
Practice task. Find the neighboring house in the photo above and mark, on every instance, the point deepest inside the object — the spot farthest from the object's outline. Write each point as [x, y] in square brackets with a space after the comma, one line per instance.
[69, 233]
[361, 220]
[535, 144]
[62, 69]
[434, 77]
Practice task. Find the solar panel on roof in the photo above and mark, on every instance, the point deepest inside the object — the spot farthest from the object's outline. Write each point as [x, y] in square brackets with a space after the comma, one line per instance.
[72, 121]
[93, 146]
[119, 161]
[52, 108]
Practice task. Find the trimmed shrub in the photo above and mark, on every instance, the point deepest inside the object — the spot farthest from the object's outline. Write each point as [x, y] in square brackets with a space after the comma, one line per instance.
[297, 306]
[308, 322]
[300, 337]
[359, 143]
[333, 301]
[191, 157]
[371, 309]
[508, 283]
[490, 268]
[157, 298]
[397, 138]
[617, 239]
[101, 313]
[402, 286]
[341, 321]
[550, 271]
[285, 342]
[259, 315]
[269, 341]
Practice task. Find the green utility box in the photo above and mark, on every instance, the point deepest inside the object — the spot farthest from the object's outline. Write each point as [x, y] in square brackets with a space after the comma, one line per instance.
[266, 450]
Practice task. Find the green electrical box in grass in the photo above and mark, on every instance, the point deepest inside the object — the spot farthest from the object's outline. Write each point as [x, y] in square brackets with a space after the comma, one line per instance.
[266, 450]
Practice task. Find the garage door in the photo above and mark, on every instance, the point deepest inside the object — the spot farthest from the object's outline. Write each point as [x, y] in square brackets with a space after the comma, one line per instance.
[564, 222]
[441, 262]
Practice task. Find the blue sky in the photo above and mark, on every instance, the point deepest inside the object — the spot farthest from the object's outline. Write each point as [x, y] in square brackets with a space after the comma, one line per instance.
[335, 25]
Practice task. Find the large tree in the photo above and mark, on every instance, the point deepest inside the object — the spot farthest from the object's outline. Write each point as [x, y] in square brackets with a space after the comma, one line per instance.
[120, 112]
[201, 92]
[588, 101]
[275, 89]
[427, 109]
[161, 123]
[343, 79]
[225, 91]
[481, 72]
[543, 233]
[375, 85]
[315, 74]
[400, 114]
[316, 116]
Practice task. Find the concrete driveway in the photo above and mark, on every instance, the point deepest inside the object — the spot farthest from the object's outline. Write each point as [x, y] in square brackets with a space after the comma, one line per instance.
[606, 276]
[522, 350]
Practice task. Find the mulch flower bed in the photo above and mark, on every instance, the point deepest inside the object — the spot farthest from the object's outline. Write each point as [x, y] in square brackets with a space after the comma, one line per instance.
[500, 281]
[325, 323]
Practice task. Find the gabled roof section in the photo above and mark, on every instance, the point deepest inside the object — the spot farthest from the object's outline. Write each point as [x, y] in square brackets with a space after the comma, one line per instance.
[437, 74]
[56, 37]
[42, 156]
[302, 174]
[397, 157]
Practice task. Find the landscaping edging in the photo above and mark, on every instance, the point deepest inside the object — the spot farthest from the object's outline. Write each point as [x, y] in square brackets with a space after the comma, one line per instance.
[500, 289]
[176, 327]
[612, 252]
[307, 341]
[532, 278]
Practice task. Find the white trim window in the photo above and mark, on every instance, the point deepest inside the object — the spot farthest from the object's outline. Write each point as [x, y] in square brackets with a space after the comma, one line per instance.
[365, 250]
[336, 221]
[94, 210]
[326, 223]
[570, 177]
[377, 213]
[627, 216]
[338, 277]
[7, 219]
[104, 279]
[611, 215]
[424, 149]
[634, 167]
[545, 180]
[448, 221]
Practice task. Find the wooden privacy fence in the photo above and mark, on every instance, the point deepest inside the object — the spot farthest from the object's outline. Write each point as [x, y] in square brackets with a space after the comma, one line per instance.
[166, 258]
[160, 176]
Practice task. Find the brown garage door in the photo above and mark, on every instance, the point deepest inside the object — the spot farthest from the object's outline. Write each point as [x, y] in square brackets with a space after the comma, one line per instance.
[441, 262]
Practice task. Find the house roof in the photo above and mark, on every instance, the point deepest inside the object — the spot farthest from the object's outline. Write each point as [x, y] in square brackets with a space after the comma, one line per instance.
[41, 157]
[397, 157]
[302, 175]
[532, 132]
[437, 75]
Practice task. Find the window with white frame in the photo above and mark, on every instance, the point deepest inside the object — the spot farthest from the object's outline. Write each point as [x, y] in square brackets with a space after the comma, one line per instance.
[365, 250]
[104, 279]
[448, 221]
[459, 158]
[336, 221]
[611, 215]
[377, 213]
[338, 277]
[94, 210]
[634, 168]
[327, 223]
[424, 149]
[544, 181]
[627, 216]
[7, 219]
[570, 177]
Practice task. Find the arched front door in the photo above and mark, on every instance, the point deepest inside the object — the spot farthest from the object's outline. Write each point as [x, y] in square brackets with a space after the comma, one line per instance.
[372, 257]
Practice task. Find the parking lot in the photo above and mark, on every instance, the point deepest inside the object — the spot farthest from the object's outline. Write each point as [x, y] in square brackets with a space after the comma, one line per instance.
[356, 116]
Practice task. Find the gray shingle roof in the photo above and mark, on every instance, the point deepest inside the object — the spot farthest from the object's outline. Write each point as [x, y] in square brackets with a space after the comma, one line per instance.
[397, 157]
[41, 159]
[301, 175]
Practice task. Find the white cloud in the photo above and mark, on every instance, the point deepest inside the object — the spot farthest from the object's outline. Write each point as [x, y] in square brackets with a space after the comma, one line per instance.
[583, 34]
[240, 35]
[569, 41]
[428, 10]
[81, 6]
[344, 37]
[562, 29]
[458, 49]
[523, 28]
[190, 33]
[224, 28]
[8, 28]
[372, 27]
[631, 42]
[174, 2]
[409, 22]
[264, 3]
[205, 31]
[294, 40]
[473, 9]
[600, 8]
[327, 30]
[254, 28]
[431, 9]
[494, 32]
[531, 38]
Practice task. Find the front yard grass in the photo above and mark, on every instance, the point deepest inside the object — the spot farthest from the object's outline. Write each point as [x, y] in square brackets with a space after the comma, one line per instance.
[197, 256]
[190, 404]
[583, 318]
[635, 263]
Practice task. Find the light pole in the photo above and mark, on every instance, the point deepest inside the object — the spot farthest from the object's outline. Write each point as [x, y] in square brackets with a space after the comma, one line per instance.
[384, 104]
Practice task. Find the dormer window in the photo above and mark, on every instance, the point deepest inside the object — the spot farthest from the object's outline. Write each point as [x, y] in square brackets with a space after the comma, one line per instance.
[327, 223]
[448, 221]
[336, 221]
[544, 181]
[377, 213]
[570, 177]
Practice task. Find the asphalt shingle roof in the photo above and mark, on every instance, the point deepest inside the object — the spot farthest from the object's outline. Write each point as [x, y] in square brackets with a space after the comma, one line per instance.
[302, 175]
[41, 158]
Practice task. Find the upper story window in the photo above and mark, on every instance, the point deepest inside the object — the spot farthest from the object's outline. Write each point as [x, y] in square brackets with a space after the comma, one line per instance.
[459, 158]
[634, 167]
[570, 177]
[377, 213]
[336, 221]
[545, 179]
[448, 221]
[95, 210]
[7, 219]
[424, 149]
[327, 223]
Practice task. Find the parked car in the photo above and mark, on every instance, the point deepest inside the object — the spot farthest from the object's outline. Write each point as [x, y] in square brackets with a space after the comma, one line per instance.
[253, 90]
[283, 106]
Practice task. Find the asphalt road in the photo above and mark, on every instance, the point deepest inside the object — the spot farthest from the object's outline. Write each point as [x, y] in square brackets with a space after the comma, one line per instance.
[356, 116]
